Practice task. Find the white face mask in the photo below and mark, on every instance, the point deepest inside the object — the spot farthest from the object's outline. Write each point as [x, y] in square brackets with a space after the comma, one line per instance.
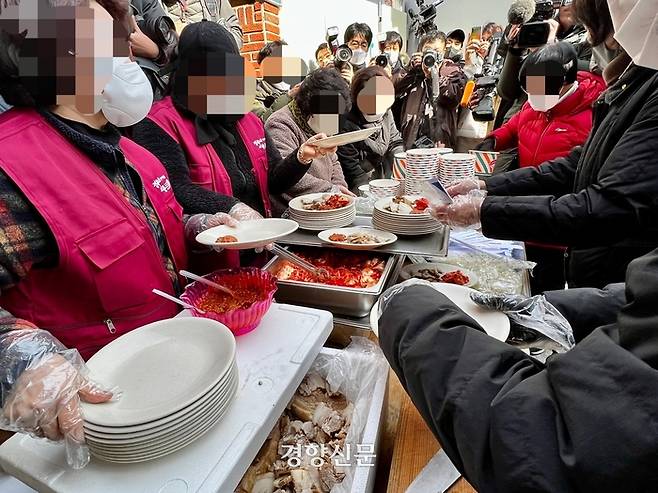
[393, 56]
[636, 29]
[543, 103]
[327, 124]
[358, 57]
[282, 86]
[374, 118]
[128, 97]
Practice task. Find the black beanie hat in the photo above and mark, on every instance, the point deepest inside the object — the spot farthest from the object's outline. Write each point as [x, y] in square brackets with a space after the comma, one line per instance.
[205, 37]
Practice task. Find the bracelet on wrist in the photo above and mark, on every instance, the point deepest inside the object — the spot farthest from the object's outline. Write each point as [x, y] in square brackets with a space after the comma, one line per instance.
[300, 157]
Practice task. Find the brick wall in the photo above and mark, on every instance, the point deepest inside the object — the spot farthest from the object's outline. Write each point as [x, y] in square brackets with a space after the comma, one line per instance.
[260, 24]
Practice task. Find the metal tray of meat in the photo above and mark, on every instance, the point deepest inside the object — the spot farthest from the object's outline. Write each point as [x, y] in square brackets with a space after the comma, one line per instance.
[352, 302]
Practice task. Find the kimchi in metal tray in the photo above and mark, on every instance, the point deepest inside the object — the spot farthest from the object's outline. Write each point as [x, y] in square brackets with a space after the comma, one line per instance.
[340, 300]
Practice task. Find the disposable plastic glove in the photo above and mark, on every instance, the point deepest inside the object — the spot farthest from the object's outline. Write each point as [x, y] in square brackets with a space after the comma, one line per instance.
[463, 213]
[534, 321]
[465, 186]
[42, 385]
[198, 223]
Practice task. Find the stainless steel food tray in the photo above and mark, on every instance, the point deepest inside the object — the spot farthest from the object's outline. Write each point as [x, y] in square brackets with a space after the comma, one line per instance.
[431, 245]
[351, 302]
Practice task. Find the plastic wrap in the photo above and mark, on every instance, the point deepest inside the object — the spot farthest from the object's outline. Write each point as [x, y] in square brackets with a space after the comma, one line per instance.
[353, 372]
[496, 274]
[534, 321]
[42, 383]
[393, 291]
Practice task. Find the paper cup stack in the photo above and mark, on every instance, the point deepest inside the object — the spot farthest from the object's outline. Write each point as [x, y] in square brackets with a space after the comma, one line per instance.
[321, 220]
[456, 167]
[178, 378]
[380, 189]
[422, 165]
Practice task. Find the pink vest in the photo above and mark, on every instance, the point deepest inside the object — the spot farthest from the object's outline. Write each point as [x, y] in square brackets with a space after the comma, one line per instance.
[206, 168]
[109, 260]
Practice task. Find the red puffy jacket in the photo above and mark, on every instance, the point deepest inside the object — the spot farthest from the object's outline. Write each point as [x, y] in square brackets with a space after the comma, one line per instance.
[543, 136]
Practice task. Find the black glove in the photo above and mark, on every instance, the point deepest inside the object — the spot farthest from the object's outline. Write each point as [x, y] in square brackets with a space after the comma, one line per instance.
[487, 145]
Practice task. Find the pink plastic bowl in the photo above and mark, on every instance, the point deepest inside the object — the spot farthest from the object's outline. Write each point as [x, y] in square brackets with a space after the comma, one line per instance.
[242, 320]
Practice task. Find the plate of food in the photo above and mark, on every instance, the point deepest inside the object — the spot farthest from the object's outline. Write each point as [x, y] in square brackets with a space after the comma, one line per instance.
[494, 323]
[404, 205]
[247, 234]
[357, 238]
[346, 138]
[320, 203]
[436, 272]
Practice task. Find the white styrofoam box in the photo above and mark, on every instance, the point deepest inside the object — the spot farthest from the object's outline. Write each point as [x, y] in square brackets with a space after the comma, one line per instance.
[272, 362]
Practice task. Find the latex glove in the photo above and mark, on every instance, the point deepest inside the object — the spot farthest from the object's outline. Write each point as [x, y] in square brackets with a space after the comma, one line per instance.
[341, 189]
[463, 213]
[465, 186]
[309, 150]
[44, 400]
[534, 321]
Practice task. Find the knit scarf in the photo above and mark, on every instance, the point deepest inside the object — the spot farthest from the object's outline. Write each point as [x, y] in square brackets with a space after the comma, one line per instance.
[299, 119]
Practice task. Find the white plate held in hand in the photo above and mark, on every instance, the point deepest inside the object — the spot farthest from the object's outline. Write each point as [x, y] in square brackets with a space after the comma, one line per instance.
[250, 234]
[346, 138]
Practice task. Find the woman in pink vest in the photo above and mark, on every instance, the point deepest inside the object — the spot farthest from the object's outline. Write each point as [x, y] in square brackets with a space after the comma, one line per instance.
[89, 224]
[216, 151]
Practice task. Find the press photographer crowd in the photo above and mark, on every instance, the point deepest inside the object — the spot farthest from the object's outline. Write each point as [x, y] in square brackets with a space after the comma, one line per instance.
[130, 127]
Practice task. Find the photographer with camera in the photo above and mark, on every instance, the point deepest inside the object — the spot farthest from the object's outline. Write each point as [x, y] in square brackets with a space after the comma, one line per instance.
[428, 96]
[153, 42]
[393, 49]
[358, 37]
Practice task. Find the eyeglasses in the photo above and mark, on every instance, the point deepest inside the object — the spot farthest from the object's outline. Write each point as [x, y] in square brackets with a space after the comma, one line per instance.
[354, 44]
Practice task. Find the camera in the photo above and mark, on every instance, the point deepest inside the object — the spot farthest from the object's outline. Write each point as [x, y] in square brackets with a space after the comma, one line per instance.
[431, 58]
[342, 53]
[485, 87]
[535, 33]
[383, 60]
[423, 21]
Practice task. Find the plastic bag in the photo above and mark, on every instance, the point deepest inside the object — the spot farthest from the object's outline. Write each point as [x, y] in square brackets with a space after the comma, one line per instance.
[534, 321]
[354, 372]
[41, 384]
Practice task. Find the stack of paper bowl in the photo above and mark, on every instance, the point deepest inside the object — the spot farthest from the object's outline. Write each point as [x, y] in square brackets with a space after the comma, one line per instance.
[177, 379]
[321, 220]
[380, 189]
[403, 224]
[400, 166]
[422, 165]
[456, 167]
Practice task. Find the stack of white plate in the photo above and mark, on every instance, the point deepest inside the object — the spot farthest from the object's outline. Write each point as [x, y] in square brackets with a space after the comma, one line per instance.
[403, 224]
[456, 167]
[321, 220]
[384, 188]
[177, 379]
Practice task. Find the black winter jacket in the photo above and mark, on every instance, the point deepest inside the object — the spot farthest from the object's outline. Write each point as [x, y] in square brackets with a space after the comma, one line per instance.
[601, 200]
[587, 421]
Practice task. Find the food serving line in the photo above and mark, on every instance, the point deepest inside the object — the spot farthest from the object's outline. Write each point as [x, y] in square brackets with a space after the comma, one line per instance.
[272, 361]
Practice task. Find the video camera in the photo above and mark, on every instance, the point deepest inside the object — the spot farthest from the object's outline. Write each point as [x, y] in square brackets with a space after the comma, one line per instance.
[485, 83]
[342, 53]
[423, 21]
[535, 32]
